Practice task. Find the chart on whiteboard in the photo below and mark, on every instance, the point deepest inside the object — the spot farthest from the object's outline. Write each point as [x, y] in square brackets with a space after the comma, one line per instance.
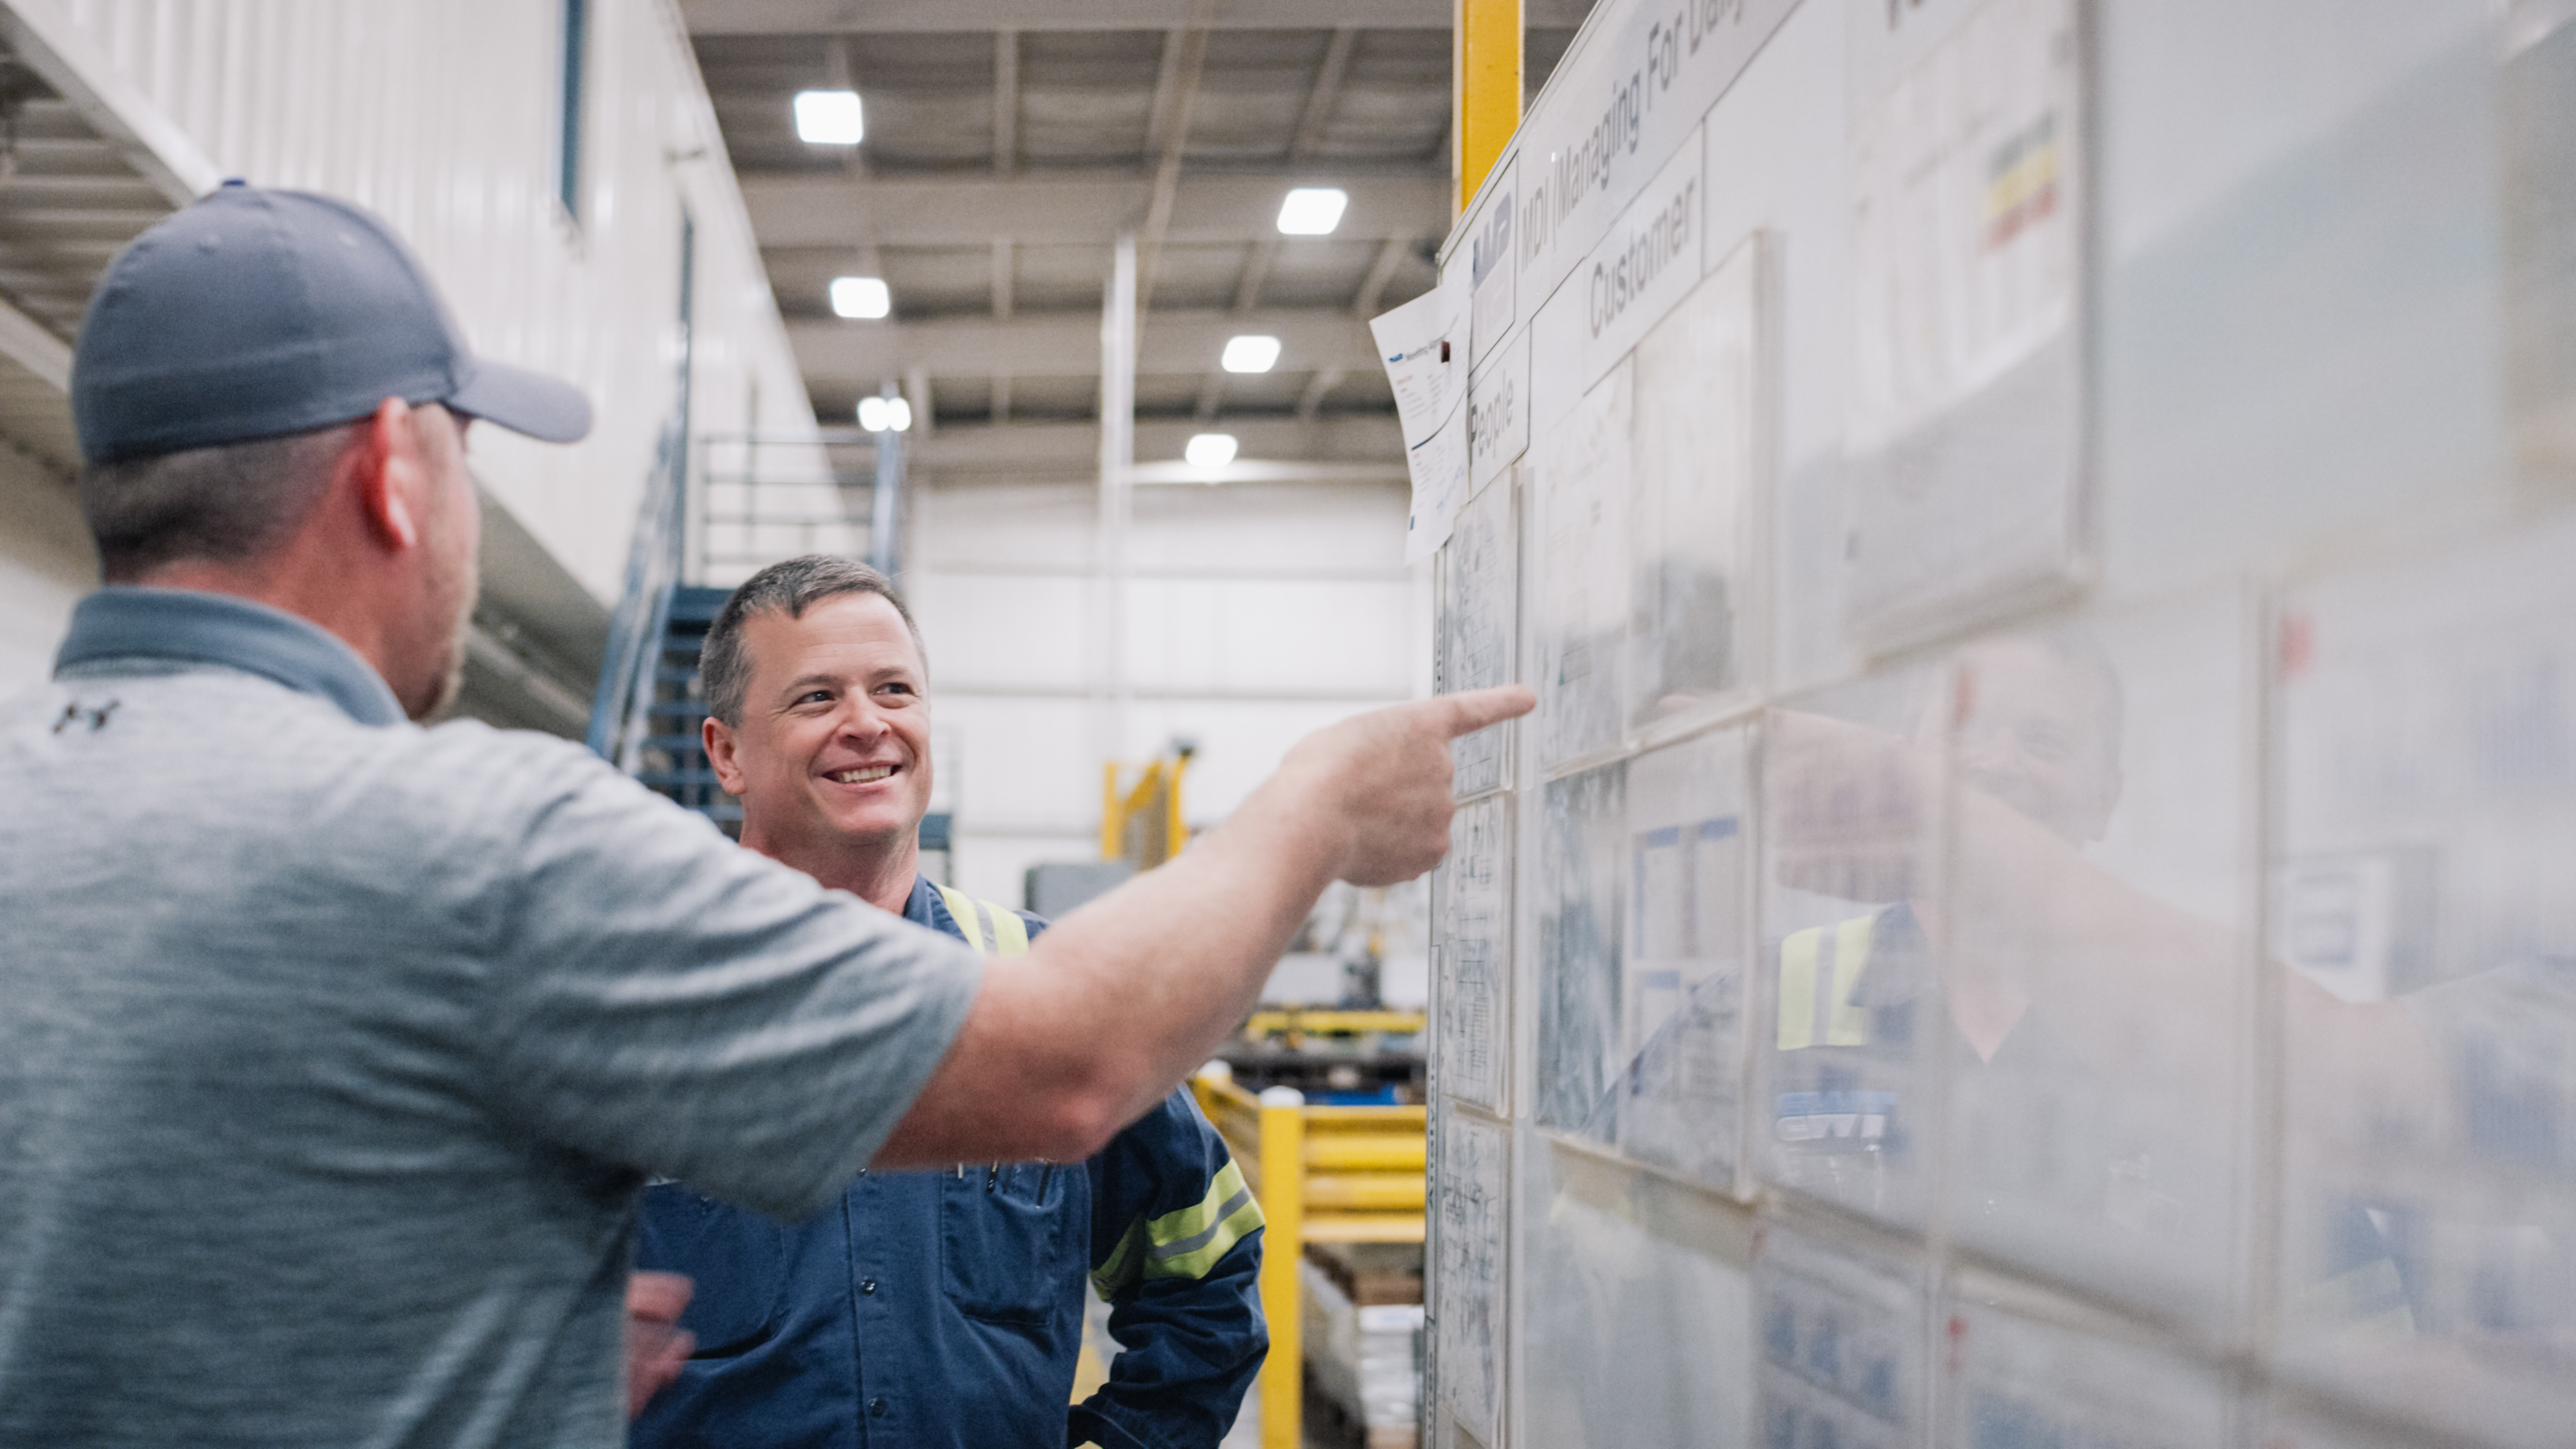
[1479, 607]
[1475, 952]
[1963, 430]
[1467, 1280]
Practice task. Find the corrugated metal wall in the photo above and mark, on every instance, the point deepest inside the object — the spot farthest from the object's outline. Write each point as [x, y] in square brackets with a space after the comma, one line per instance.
[444, 116]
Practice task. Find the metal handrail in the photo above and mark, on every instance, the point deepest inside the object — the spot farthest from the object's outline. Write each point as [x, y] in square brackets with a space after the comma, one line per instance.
[652, 568]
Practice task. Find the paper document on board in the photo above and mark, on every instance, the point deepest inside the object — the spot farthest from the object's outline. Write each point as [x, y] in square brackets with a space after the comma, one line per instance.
[1438, 465]
[1424, 347]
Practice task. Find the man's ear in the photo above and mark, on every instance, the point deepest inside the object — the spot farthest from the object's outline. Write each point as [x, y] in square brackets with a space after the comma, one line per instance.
[719, 741]
[390, 469]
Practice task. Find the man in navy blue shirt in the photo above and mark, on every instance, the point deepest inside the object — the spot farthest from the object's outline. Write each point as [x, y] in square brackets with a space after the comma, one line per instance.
[943, 1307]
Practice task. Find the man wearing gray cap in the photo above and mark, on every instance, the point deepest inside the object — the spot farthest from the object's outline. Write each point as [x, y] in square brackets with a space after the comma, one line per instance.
[333, 1050]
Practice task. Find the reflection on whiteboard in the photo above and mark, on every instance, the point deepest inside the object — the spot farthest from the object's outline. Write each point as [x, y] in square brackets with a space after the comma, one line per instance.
[1479, 637]
[1634, 1319]
[1681, 1095]
[1582, 835]
[1696, 456]
[2020, 1384]
[1475, 946]
[1583, 572]
[1847, 1044]
[1467, 1279]
[1966, 401]
[1841, 1348]
[2428, 786]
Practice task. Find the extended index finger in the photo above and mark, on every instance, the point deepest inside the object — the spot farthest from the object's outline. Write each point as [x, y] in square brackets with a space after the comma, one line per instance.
[1467, 712]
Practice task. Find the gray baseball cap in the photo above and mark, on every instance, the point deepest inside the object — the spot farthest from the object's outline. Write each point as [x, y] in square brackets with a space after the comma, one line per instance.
[254, 313]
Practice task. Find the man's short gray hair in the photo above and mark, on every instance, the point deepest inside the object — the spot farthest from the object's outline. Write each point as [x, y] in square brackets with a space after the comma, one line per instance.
[225, 503]
[790, 588]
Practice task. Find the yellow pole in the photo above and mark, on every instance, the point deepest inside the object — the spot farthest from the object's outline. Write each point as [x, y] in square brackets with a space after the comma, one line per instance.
[1486, 88]
[1283, 1208]
[1176, 830]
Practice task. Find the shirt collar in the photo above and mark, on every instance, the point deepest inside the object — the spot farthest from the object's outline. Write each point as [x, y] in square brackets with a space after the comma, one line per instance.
[926, 909]
[124, 622]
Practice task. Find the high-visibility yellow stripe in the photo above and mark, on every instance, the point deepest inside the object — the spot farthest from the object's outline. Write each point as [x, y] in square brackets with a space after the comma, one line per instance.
[1010, 934]
[1850, 1026]
[1798, 988]
[961, 909]
[1187, 1243]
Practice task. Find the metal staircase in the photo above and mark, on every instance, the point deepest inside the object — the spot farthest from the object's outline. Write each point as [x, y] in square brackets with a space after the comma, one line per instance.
[649, 713]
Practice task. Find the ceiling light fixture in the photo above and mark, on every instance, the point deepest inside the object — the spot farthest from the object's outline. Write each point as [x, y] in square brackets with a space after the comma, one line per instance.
[885, 414]
[829, 118]
[863, 297]
[1312, 210]
[1250, 353]
[1209, 450]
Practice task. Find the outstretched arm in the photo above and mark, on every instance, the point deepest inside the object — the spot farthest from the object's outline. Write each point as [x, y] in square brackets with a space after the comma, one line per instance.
[1124, 997]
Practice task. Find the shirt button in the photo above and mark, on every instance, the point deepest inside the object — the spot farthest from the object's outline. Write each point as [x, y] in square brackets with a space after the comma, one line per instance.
[876, 1408]
[867, 1285]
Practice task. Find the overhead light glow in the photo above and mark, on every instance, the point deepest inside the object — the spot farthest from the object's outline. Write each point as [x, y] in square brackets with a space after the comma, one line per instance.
[1209, 450]
[829, 118]
[1250, 353]
[861, 297]
[885, 414]
[1312, 210]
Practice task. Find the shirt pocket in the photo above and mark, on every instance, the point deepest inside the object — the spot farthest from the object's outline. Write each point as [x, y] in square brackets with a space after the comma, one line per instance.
[1007, 1252]
[736, 1259]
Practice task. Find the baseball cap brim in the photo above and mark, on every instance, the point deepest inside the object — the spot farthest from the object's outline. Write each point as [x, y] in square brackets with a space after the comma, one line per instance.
[545, 408]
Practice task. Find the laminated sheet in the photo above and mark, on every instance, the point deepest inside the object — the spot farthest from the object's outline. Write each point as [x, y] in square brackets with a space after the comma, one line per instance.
[2098, 971]
[2426, 751]
[1582, 493]
[1851, 805]
[2017, 1382]
[1470, 1200]
[1472, 1033]
[1840, 1333]
[1632, 1312]
[1480, 626]
[1681, 1084]
[1964, 431]
[1693, 610]
[1577, 898]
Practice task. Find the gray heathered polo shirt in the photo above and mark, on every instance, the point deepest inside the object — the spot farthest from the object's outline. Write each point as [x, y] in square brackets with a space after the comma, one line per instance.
[332, 1050]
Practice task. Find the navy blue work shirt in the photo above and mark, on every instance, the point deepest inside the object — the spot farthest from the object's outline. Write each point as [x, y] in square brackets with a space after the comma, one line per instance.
[944, 1308]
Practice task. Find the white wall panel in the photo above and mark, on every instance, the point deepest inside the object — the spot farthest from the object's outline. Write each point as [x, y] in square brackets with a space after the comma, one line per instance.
[443, 117]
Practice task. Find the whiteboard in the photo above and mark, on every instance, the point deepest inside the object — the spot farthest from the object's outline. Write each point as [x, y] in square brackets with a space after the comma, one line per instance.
[1964, 425]
[1471, 1029]
[1582, 476]
[1479, 626]
[2012, 1381]
[1841, 1332]
[1576, 898]
[1698, 451]
[1690, 834]
[1468, 1281]
[1633, 1313]
[2428, 756]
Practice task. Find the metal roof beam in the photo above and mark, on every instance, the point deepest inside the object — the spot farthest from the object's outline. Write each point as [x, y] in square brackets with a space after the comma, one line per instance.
[1319, 100]
[1065, 344]
[969, 210]
[807, 17]
[1071, 449]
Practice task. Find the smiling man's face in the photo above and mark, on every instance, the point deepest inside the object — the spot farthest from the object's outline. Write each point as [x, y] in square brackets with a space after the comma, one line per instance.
[833, 752]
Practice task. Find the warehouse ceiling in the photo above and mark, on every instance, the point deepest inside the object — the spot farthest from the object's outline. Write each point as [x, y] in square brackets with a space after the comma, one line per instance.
[1008, 144]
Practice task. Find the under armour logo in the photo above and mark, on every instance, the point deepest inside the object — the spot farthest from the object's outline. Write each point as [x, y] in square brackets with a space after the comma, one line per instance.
[73, 713]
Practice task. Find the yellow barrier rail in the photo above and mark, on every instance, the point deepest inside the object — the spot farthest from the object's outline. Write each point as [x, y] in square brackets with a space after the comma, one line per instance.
[1323, 1175]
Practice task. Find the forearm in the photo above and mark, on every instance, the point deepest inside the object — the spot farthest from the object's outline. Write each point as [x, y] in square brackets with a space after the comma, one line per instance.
[1119, 1000]
[1124, 997]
